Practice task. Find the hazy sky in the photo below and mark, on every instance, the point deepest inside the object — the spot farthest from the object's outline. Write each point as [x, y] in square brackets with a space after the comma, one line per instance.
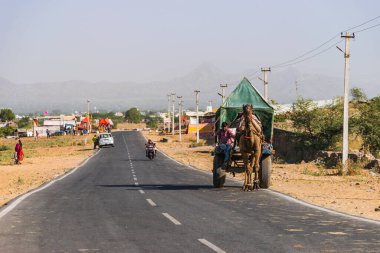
[120, 40]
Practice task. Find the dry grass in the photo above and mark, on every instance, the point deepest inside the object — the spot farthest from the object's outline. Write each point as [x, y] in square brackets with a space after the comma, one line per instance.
[42, 147]
[44, 160]
[130, 126]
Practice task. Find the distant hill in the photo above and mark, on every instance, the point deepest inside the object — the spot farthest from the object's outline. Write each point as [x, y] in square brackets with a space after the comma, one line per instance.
[70, 96]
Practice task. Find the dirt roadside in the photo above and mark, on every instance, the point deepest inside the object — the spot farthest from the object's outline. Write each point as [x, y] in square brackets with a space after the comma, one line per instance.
[356, 195]
[44, 160]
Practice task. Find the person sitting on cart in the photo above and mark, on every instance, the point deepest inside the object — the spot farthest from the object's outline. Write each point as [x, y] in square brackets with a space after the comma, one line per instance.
[225, 136]
[150, 144]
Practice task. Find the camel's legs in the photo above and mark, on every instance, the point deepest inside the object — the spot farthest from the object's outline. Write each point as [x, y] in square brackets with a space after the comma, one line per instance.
[247, 176]
[256, 157]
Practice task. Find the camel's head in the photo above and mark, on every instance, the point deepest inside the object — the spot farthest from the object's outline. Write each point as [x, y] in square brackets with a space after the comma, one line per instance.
[247, 109]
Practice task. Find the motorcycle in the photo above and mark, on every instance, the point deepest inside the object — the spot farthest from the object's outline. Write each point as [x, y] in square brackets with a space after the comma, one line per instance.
[151, 153]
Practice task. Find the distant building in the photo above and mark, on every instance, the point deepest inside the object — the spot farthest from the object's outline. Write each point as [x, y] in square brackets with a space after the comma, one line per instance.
[206, 122]
[282, 108]
[53, 124]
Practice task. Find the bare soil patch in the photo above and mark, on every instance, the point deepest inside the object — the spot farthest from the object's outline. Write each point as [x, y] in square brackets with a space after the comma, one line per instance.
[356, 195]
[44, 160]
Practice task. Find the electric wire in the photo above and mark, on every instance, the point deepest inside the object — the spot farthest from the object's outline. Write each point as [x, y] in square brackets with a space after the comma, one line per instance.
[312, 56]
[362, 24]
[367, 28]
[308, 52]
[291, 62]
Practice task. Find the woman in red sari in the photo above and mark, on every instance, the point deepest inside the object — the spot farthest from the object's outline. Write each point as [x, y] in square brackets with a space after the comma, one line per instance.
[19, 153]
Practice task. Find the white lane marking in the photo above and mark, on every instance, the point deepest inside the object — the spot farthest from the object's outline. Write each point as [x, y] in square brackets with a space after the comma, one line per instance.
[136, 183]
[20, 199]
[321, 208]
[135, 178]
[151, 202]
[211, 246]
[141, 191]
[176, 222]
[280, 194]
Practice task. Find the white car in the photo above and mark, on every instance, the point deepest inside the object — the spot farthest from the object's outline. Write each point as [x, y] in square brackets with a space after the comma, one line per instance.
[106, 139]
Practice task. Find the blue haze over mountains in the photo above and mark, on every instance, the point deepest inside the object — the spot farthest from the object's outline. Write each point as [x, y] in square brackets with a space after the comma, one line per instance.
[70, 96]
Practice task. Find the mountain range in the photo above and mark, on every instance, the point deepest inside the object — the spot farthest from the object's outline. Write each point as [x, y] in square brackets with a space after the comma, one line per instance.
[70, 96]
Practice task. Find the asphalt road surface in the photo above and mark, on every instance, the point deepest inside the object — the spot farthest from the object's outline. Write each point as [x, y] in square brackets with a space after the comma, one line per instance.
[119, 201]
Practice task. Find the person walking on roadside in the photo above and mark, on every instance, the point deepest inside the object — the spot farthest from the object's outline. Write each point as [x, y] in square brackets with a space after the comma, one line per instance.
[36, 136]
[47, 133]
[19, 153]
[95, 140]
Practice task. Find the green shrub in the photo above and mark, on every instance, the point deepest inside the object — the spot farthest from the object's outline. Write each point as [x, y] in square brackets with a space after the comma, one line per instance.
[353, 168]
[4, 147]
[6, 131]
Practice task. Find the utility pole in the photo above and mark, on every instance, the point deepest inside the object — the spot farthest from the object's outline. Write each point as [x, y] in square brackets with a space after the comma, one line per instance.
[209, 108]
[173, 101]
[179, 117]
[223, 86]
[88, 107]
[265, 72]
[346, 52]
[197, 102]
[169, 112]
[88, 116]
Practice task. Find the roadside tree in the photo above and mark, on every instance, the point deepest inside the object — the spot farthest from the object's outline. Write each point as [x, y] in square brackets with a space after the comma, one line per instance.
[368, 125]
[358, 94]
[24, 122]
[318, 128]
[133, 115]
[6, 115]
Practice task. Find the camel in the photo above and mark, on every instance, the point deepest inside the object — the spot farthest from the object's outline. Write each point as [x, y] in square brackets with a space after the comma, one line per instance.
[250, 147]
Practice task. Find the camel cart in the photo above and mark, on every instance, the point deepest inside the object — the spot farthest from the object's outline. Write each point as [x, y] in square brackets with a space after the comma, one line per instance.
[230, 112]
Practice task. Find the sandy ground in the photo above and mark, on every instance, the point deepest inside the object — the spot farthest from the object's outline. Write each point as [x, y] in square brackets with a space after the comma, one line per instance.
[44, 161]
[356, 195]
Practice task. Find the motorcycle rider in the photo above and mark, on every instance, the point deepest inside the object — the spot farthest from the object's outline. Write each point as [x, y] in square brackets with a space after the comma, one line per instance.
[148, 145]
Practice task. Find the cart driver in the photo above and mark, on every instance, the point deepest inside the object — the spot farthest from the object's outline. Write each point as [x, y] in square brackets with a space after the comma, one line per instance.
[224, 136]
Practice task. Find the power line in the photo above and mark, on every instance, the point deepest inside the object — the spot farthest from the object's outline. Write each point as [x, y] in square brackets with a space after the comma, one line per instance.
[283, 64]
[362, 24]
[308, 52]
[367, 28]
[308, 58]
[254, 75]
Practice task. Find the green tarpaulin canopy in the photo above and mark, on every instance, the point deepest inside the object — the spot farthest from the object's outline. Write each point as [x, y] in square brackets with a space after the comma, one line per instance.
[245, 93]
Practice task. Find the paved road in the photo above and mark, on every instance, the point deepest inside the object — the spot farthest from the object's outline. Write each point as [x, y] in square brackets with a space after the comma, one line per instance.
[121, 202]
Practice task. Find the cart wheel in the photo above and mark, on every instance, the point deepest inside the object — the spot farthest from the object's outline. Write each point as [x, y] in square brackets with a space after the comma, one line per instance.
[218, 175]
[264, 172]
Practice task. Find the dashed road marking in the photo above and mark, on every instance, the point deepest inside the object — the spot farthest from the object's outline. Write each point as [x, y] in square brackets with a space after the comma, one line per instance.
[211, 246]
[151, 202]
[141, 191]
[176, 222]
[136, 183]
